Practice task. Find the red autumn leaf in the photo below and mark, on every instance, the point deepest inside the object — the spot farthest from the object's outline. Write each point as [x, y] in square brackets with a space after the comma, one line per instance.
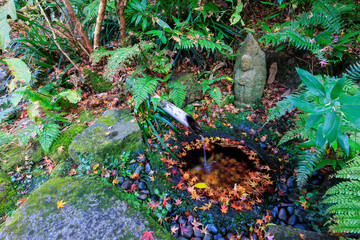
[148, 235]
[224, 208]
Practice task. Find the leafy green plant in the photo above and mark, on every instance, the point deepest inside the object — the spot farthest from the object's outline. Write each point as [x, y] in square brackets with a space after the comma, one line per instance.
[214, 91]
[326, 30]
[344, 199]
[330, 119]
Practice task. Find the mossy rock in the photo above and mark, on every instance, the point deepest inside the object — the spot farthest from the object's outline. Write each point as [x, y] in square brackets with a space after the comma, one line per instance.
[97, 83]
[94, 208]
[13, 155]
[193, 89]
[7, 195]
[115, 132]
[289, 233]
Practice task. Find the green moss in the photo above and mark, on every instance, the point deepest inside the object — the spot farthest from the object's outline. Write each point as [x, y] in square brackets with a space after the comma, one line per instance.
[107, 120]
[7, 195]
[85, 116]
[97, 82]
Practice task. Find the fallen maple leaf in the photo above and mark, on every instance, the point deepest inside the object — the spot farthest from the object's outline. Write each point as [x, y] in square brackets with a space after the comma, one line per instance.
[60, 149]
[61, 203]
[21, 201]
[147, 235]
[174, 229]
[302, 236]
[224, 208]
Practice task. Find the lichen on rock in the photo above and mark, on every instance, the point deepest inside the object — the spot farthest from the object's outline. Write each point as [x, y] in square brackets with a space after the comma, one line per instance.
[113, 133]
[93, 209]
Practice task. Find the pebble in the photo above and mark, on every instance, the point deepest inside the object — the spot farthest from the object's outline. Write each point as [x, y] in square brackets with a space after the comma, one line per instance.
[212, 228]
[291, 210]
[291, 182]
[197, 238]
[145, 191]
[292, 220]
[182, 238]
[142, 185]
[282, 214]
[208, 236]
[262, 145]
[188, 232]
[274, 212]
[293, 197]
[126, 184]
[198, 233]
[301, 226]
[139, 169]
[182, 220]
[282, 187]
[142, 196]
[147, 167]
[218, 236]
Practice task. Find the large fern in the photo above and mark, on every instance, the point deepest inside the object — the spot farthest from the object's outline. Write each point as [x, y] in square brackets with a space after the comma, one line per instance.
[345, 199]
[307, 164]
[143, 88]
[48, 133]
[354, 71]
[120, 58]
[177, 93]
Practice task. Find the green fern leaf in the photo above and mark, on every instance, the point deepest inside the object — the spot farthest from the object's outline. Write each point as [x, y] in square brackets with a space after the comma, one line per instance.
[177, 93]
[143, 88]
[48, 134]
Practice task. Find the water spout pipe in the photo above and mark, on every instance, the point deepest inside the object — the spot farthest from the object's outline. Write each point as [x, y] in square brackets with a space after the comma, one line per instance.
[180, 115]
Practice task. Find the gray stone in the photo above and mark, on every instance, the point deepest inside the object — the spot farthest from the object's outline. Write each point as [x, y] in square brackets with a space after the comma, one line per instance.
[93, 209]
[142, 196]
[142, 185]
[208, 236]
[292, 220]
[139, 169]
[126, 184]
[212, 228]
[283, 214]
[198, 233]
[289, 233]
[193, 89]
[114, 132]
[249, 73]
[147, 167]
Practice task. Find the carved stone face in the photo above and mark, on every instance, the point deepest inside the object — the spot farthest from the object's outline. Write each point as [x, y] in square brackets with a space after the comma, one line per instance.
[246, 62]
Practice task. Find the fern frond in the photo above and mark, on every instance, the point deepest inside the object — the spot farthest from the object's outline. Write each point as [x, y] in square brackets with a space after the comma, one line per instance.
[354, 71]
[177, 93]
[48, 134]
[143, 88]
[307, 163]
[282, 107]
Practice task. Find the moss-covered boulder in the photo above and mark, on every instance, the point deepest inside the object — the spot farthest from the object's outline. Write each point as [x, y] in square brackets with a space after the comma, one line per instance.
[7, 194]
[94, 210]
[115, 132]
[97, 83]
[289, 233]
[193, 88]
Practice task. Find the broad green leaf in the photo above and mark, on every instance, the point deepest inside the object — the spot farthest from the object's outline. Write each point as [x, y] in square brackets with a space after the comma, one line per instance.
[321, 110]
[334, 131]
[307, 144]
[4, 33]
[337, 89]
[301, 104]
[311, 82]
[71, 95]
[313, 119]
[19, 70]
[162, 23]
[34, 111]
[200, 185]
[320, 140]
[17, 95]
[11, 9]
[350, 100]
[343, 140]
[352, 114]
[329, 122]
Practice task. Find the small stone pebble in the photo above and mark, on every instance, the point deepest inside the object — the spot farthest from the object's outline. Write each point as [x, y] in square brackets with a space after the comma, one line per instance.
[147, 167]
[182, 238]
[291, 181]
[292, 220]
[198, 233]
[208, 236]
[142, 196]
[188, 232]
[218, 236]
[212, 228]
[142, 185]
[274, 212]
[126, 184]
[282, 214]
[291, 210]
[182, 220]
[282, 187]
[139, 169]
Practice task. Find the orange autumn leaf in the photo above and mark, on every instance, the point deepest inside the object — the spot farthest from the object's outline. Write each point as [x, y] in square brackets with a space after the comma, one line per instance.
[61, 204]
[224, 208]
[302, 236]
[206, 206]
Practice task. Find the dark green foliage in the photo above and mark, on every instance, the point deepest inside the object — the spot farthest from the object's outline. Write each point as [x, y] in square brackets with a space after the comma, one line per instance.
[354, 71]
[143, 88]
[177, 93]
[48, 134]
[344, 198]
[97, 83]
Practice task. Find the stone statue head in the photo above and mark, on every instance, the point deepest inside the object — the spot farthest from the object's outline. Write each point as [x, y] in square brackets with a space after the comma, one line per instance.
[246, 62]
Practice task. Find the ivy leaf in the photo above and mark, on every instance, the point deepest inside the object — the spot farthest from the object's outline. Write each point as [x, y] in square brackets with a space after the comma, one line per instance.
[148, 235]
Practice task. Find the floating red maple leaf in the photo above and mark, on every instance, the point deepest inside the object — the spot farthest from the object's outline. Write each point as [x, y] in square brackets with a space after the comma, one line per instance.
[148, 235]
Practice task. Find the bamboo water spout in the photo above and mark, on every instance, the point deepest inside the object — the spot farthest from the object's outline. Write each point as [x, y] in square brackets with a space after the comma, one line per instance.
[180, 115]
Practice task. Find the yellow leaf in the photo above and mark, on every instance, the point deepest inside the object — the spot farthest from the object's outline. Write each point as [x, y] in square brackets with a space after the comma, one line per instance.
[200, 185]
[96, 166]
[61, 203]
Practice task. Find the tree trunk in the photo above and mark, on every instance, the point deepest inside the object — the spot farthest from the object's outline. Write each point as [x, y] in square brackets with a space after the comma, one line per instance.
[75, 20]
[120, 14]
[99, 21]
